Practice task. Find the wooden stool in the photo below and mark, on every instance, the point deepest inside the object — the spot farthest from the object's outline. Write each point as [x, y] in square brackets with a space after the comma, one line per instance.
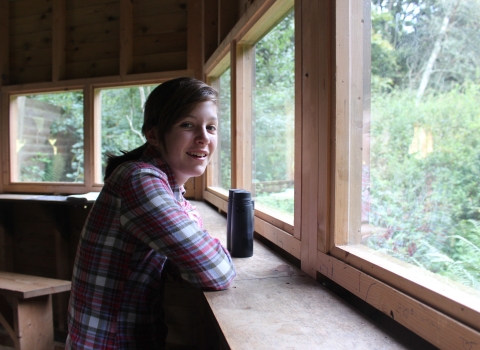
[26, 309]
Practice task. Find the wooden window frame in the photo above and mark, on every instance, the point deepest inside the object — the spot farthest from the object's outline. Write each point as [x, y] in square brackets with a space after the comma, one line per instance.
[237, 50]
[446, 316]
[92, 134]
[212, 78]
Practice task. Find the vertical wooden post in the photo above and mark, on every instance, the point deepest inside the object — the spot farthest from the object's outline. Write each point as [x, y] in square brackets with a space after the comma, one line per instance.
[227, 17]
[297, 220]
[242, 120]
[210, 27]
[349, 121]
[62, 260]
[195, 60]
[126, 37]
[58, 39]
[316, 102]
[4, 78]
[6, 237]
[233, 114]
[34, 323]
[4, 39]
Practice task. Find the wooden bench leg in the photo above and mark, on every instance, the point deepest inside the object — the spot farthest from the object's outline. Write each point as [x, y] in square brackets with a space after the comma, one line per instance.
[33, 323]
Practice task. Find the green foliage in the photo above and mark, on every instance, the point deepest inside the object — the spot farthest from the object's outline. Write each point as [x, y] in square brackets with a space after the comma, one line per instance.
[274, 101]
[273, 122]
[428, 199]
[224, 132]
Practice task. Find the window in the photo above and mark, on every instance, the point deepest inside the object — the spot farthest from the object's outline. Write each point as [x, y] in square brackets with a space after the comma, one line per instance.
[263, 154]
[273, 121]
[121, 121]
[47, 137]
[58, 141]
[421, 159]
[405, 194]
[221, 167]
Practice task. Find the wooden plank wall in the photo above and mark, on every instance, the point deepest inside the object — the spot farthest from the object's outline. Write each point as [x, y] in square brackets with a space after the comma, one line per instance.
[73, 39]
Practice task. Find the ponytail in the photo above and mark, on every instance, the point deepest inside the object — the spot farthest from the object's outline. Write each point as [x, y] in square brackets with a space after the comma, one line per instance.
[114, 161]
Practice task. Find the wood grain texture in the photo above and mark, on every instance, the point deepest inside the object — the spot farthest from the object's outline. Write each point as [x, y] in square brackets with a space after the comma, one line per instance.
[437, 328]
[25, 286]
[126, 37]
[33, 323]
[453, 299]
[310, 173]
[58, 39]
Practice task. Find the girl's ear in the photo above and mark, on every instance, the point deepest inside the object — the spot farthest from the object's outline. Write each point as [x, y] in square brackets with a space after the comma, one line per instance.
[152, 138]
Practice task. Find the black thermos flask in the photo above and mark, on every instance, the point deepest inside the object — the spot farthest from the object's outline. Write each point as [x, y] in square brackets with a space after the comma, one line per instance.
[229, 217]
[240, 220]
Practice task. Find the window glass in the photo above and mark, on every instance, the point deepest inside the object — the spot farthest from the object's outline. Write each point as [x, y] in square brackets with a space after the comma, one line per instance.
[222, 163]
[421, 146]
[273, 119]
[48, 134]
[122, 120]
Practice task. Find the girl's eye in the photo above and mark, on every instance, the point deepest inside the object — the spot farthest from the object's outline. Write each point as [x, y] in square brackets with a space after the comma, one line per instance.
[212, 128]
[186, 125]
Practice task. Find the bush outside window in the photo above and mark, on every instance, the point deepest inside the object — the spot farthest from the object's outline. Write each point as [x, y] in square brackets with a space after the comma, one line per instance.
[273, 121]
[421, 149]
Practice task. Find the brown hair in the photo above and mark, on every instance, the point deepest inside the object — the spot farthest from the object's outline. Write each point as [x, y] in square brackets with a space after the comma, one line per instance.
[167, 103]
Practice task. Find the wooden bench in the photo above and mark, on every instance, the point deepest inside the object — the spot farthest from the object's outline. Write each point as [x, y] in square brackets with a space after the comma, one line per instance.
[26, 309]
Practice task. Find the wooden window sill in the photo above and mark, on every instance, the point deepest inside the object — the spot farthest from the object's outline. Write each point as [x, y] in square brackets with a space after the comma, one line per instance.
[272, 304]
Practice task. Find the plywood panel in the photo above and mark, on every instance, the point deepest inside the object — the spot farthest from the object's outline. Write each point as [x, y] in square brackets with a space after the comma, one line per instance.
[126, 37]
[31, 58]
[89, 69]
[92, 51]
[31, 24]
[86, 3]
[58, 40]
[81, 34]
[144, 8]
[97, 13]
[26, 8]
[160, 43]
[160, 62]
[31, 41]
[210, 27]
[4, 51]
[24, 75]
[163, 23]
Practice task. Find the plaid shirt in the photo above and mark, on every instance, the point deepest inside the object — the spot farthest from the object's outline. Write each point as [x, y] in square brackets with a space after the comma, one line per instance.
[138, 221]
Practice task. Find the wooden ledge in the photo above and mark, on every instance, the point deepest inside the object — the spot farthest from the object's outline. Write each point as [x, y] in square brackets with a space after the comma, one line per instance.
[274, 305]
[26, 286]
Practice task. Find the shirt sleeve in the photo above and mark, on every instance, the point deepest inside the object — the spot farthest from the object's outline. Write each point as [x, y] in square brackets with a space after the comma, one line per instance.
[150, 212]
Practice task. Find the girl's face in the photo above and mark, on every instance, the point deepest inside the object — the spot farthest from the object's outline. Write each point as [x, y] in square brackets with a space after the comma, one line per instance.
[190, 142]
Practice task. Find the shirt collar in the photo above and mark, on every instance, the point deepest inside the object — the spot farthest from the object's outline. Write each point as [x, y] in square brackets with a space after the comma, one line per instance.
[152, 156]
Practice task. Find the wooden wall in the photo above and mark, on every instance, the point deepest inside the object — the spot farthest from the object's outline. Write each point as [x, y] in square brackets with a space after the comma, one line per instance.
[74, 39]
[54, 40]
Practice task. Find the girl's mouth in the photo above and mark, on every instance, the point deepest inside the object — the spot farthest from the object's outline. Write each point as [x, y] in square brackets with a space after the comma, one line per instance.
[198, 155]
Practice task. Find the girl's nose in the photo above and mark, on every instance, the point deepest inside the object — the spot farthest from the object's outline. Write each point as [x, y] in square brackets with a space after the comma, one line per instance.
[202, 136]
